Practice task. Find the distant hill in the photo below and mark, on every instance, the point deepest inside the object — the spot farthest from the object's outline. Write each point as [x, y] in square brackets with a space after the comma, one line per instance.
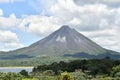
[65, 42]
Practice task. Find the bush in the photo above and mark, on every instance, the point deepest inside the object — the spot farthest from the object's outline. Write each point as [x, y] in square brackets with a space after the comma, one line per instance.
[24, 73]
[10, 76]
[48, 73]
[79, 75]
[115, 71]
[66, 76]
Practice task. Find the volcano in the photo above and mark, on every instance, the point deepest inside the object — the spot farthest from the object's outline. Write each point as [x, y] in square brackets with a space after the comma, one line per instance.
[65, 41]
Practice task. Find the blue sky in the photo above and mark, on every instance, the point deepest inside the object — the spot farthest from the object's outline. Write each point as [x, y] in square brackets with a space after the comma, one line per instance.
[23, 22]
[19, 9]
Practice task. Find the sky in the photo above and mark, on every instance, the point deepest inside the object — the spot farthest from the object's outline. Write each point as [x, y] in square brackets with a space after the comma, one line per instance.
[23, 22]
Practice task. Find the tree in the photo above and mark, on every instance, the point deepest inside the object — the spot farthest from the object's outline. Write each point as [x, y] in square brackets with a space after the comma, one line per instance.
[79, 75]
[115, 71]
[24, 73]
[66, 76]
[49, 72]
[10, 76]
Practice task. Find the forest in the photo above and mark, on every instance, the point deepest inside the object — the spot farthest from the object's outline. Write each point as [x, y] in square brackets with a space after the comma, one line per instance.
[93, 69]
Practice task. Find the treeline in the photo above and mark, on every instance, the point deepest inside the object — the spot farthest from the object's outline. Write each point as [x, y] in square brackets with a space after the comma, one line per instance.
[92, 67]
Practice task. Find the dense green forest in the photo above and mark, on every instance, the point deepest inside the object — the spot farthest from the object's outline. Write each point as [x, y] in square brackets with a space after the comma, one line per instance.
[94, 66]
[94, 69]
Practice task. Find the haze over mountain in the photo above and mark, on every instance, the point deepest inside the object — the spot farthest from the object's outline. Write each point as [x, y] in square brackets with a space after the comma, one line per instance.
[63, 42]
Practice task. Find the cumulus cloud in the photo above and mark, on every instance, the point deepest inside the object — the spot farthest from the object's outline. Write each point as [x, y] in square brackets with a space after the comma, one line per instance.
[8, 36]
[110, 3]
[9, 22]
[108, 43]
[1, 12]
[95, 19]
[40, 25]
[88, 17]
[13, 45]
[108, 38]
[85, 18]
[9, 40]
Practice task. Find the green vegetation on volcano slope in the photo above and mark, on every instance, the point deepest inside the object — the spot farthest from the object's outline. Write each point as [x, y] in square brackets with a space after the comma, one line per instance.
[6, 61]
[33, 61]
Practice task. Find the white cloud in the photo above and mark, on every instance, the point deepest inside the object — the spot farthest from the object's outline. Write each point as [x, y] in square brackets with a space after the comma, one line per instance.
[10, 22]
[88, 17]
[4, 1]
[110, 3]
[108, 38]
[8, 36]
[13, 45]
[67, 12]
[40, 25]
[108, 43]
[42, 4]
[98, 19]
[75, 21]
[95, 19]
[1, 12]
[9, 40]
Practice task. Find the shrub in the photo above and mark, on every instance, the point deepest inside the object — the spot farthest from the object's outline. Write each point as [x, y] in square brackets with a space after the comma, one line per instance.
[115, 71]
[66, 76]
[79, 75]
[24, 73]
[48, 73]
